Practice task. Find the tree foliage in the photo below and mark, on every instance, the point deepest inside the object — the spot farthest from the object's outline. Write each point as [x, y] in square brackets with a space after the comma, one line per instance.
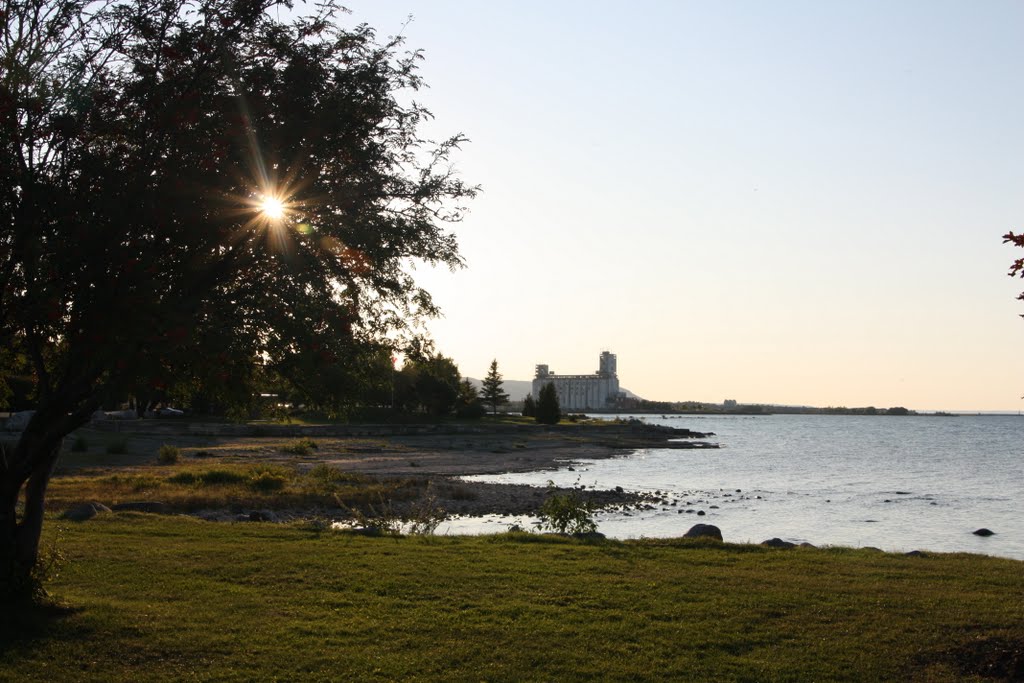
[491, 392]
[140, 142]
[1017, 267]
[428, 385]
[548, 410]
[529, 406]
[468, 403]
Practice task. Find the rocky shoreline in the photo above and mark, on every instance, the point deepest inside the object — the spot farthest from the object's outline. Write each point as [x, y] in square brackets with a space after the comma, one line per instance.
[430, 461]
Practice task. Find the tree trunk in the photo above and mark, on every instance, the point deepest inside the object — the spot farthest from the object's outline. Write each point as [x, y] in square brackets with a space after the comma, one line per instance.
[9, 577]
[19, 539]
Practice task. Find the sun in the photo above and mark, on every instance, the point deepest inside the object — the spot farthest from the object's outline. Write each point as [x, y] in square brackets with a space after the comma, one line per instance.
[272, 208]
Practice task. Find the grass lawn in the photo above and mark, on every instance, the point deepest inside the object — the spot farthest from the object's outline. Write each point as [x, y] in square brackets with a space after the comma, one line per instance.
[173, 598]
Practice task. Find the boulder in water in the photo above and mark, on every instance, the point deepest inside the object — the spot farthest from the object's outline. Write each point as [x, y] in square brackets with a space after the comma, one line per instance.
[704, 531]
[983, 532]
[778, 543]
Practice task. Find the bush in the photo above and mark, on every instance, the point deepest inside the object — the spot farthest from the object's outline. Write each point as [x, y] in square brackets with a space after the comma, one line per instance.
[117, 447]
[79, 445]
[303, 446]
[268, 478]
[326, 474]
[565, 513]
[168, 455]
[425, 516]
[207, 478]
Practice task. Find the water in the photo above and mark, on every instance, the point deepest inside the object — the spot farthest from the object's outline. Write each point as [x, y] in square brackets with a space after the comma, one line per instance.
[895, 483]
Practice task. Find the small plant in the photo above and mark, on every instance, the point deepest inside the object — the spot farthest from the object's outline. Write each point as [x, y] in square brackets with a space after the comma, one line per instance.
[268, 478]
[303, 446]
[325, 474]
[79, 445]
[168, 455]
[207, 478]
[117, 447]
[565, 513]
[425, 516]
[377, 521]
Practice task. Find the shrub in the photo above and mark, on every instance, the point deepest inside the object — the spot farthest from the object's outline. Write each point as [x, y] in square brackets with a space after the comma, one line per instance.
[325, 474]
[79, 445]
[565, 513]
[425, 516]
[268, 478]
[302, 446]
[220, 477]
[207, 478]
[168, 455]
[117, 447]
[185, 478]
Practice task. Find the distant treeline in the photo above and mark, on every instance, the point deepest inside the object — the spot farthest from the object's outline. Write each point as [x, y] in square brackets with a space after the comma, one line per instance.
[643, 406]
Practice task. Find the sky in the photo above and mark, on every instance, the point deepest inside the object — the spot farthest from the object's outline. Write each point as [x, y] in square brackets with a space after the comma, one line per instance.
[787, 202]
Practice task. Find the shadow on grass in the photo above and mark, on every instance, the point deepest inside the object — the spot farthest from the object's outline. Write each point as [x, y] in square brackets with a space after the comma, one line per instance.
[995, 658]
[22, 626]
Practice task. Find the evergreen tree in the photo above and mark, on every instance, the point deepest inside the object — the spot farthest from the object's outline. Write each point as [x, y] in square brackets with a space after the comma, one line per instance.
[548, 410]
[468, 403]
[529, 406]
[491, 390]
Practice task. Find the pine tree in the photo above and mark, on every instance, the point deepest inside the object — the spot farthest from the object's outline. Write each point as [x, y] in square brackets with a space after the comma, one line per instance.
[529, 406]
[468, 404]
[491, 392]
[548, 410]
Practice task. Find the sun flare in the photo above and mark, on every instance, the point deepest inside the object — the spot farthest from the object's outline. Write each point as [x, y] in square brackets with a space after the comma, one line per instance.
[272, 208]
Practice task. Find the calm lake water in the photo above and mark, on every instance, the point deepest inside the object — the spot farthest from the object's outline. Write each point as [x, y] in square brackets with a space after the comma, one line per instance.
[895, 483]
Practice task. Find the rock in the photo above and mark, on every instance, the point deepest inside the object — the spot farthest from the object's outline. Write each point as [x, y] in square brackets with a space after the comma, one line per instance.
[983, 532]
[778, 543]
[916, 553]
[83, 511]
[263, 516]
[700, 513]
[704, 531]
[805, 544]
[150, 506]
[590, 536]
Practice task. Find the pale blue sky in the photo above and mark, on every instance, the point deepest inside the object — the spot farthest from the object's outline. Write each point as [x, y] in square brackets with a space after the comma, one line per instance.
[789, 202]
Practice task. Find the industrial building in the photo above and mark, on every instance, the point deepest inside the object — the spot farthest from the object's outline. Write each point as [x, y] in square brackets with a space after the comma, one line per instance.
[582, 392]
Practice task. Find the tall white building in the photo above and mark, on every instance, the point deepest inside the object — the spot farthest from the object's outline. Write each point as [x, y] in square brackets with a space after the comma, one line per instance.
[582, 392]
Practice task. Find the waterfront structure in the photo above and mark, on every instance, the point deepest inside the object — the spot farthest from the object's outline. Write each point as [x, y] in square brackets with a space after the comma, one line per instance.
[582, 392]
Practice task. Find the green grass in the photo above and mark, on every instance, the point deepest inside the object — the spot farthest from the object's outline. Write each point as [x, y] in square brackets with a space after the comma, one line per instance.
[167, 598]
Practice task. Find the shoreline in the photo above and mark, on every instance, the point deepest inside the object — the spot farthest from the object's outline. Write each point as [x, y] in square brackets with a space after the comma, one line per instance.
[428, 460]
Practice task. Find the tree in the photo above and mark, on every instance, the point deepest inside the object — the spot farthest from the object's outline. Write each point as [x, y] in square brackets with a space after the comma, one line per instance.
[191, 189]
[529, 406]
[1017, 267]
[468, 403]
[491, 392]
[548, 411]
[429, 385]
